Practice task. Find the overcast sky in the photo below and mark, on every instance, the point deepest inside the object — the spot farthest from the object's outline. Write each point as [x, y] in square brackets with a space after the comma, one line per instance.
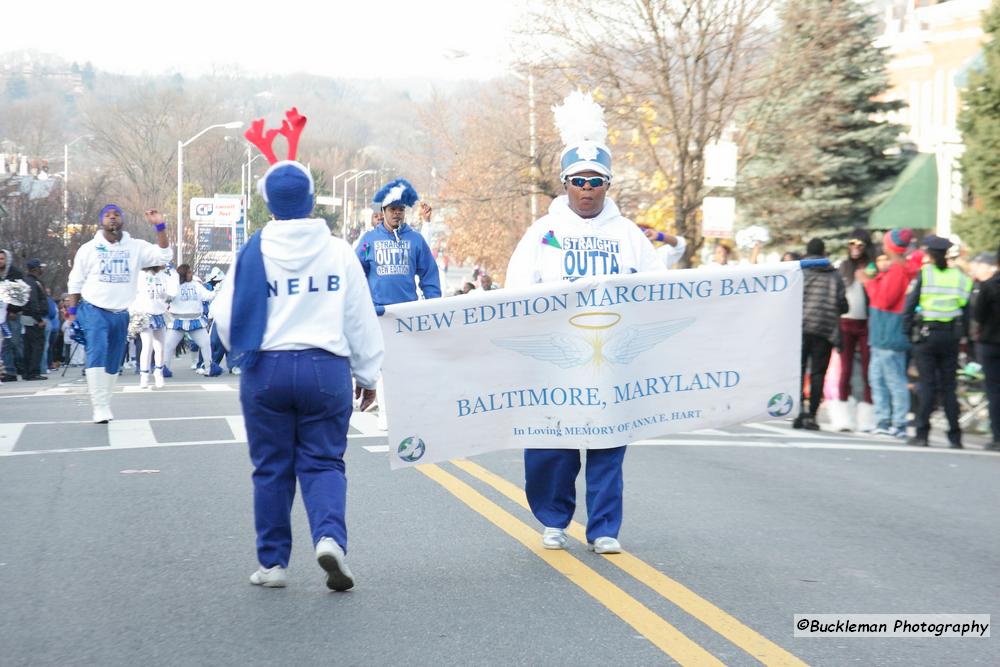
[362, 38]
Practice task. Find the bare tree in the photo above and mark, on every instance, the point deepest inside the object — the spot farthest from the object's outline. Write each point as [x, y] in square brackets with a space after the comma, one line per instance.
[674, 72]
[484, 176]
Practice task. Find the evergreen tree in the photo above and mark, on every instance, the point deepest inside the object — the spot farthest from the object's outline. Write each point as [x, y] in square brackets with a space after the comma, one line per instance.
[979, 122]
[88, 76]
[823, 158]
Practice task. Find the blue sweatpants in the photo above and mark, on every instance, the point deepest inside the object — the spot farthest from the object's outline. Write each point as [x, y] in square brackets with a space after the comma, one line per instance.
[218, 350]
[550, 484]
[107, 336]
[297, 407]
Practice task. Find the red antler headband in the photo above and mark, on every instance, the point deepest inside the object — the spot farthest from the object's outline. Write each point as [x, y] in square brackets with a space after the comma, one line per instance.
[291, 128]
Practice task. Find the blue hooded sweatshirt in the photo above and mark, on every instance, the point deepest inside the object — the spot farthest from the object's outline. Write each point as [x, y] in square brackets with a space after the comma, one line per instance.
[391, 260]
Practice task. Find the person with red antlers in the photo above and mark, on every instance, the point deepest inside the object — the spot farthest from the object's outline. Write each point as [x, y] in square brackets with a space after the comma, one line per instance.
[297, 317]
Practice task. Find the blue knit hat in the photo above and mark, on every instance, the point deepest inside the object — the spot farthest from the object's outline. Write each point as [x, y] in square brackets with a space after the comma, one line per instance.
[288, 189]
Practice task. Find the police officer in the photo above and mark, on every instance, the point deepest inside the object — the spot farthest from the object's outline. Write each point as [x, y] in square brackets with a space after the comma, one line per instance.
[297, 317]
[936, 314]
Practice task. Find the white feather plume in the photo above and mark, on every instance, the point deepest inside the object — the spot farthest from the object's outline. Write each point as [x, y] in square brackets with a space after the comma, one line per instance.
[579, 118]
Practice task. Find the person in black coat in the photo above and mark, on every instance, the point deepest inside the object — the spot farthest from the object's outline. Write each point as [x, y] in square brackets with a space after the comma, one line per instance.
[986, 313]
[823, 302]
[33, 316]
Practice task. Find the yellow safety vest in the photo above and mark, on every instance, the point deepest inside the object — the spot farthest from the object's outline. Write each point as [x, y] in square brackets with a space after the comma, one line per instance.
[943, 294]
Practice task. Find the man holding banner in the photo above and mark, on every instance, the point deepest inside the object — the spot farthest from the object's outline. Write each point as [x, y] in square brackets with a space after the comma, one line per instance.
[583, 234]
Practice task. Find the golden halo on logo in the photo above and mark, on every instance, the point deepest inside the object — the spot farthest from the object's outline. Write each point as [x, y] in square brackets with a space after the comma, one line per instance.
[597, 314]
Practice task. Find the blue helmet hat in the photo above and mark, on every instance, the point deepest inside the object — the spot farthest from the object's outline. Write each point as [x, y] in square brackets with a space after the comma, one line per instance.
[580, 121]
[398, 192]
[585, 156]
[288, 190]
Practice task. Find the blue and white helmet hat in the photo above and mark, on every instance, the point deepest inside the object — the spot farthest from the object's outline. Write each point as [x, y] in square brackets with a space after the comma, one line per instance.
[398, 192]
[580, 121]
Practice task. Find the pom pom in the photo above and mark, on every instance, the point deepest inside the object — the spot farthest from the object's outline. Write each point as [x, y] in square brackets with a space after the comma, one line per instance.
[747, 238]
[15, 292]
[579, 118]
[137, 323]
[76, 333]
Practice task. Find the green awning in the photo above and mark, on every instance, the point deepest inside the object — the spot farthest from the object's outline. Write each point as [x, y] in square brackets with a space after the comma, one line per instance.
[912, 202]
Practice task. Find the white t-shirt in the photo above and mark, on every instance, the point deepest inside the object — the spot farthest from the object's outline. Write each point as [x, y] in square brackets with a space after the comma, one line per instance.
[153, 291]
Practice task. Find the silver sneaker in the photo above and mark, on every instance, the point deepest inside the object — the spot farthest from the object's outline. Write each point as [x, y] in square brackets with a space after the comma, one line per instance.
[330, 557]
[554, 538]
[606, 545]
[270, 577]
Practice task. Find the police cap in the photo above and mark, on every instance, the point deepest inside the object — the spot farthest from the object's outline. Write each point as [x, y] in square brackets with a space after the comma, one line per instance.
[936, 243]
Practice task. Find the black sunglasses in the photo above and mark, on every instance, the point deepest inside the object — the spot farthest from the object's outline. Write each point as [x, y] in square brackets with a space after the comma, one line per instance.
[593, 181]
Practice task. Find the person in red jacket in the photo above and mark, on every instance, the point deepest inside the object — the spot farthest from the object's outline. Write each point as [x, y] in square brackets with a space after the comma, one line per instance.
[889, 342]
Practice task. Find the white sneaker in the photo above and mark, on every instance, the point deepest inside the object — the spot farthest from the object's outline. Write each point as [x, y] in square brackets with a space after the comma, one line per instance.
[554, 538]
[235, 371]
[606, 545]
[270, 577]
[143, 380]
[201, 370]
[158, 378]
[330, 557]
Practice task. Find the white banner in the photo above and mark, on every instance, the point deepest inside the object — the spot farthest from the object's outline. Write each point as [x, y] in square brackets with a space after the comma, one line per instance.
[594, 363]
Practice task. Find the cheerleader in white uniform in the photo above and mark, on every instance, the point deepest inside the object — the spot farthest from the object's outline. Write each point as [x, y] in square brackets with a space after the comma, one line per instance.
[156, 288]
[186, 309]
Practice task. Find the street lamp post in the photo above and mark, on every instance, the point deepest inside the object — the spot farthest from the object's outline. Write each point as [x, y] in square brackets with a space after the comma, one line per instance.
[246, 184]
[343, 203]
[180, 182]
[66, 186]
[354, 178]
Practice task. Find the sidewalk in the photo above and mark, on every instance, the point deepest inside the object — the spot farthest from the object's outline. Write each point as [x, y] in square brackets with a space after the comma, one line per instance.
[937, 438]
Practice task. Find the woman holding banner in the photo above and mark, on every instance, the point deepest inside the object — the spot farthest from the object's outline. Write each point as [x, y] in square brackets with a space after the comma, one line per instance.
[553, 250]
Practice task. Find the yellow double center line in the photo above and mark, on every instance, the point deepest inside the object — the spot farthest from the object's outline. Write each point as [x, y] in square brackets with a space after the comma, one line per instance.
[658, 631]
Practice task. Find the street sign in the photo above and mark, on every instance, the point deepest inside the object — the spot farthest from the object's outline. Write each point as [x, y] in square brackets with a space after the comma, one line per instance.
[216, 209]
[718, 215]
[323, 200]
[720, 165]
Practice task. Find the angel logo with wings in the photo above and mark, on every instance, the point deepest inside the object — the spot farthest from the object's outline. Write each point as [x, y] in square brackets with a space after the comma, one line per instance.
[570, 351]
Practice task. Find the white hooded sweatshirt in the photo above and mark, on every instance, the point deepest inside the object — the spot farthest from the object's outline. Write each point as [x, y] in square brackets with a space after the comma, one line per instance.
[317, 297]
[155, 289]
[188, 299]
[106, 274]
[564, 246]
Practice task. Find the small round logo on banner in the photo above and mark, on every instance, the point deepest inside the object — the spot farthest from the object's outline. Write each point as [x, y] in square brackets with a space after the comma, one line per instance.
[411, 449]
[780, 405]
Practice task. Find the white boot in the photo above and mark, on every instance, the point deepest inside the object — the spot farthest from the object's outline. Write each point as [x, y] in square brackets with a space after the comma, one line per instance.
[109, 388]
[866, 417]
[143, 379]
[839, 417]
[98, 398]
[158, 377]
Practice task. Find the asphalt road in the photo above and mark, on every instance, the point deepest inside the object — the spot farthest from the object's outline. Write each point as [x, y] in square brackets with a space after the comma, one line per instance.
[132, 543]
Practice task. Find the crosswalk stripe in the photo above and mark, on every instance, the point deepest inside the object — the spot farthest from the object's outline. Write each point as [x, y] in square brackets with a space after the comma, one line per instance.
[238, 427]
[130, 433]
[9, 434]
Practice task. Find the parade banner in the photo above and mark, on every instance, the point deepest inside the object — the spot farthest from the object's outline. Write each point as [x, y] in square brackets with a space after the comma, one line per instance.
[594, 363]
